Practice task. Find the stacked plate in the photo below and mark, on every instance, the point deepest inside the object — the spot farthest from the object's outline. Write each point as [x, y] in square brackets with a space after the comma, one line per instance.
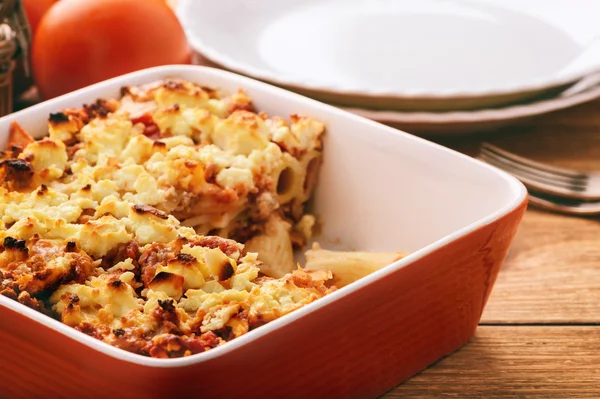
[426, 66]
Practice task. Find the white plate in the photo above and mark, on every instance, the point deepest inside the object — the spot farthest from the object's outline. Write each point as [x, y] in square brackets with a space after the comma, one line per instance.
[402, 54]
[461, 122]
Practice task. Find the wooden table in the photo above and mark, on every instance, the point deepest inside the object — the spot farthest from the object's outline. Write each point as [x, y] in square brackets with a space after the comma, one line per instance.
[539, 336]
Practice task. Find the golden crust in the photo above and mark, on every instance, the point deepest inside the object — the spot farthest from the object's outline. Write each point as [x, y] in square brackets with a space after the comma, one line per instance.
[104, 223]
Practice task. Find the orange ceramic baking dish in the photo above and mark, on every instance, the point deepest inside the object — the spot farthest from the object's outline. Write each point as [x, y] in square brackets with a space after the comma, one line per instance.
[379, 190]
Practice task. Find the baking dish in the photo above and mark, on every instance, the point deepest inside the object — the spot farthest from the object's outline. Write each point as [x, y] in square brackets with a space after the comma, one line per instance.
[379, 190]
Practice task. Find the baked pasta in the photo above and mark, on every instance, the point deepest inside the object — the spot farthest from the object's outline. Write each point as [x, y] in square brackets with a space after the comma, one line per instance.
[127, 220]
[163, 222]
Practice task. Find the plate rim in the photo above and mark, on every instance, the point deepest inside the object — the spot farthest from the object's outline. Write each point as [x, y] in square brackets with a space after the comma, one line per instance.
[230, 63]
[481, 115]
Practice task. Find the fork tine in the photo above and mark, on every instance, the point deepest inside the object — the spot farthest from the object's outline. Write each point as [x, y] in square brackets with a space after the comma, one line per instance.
[579, 209]
[532, 182]
[542, 176]
[537, 165]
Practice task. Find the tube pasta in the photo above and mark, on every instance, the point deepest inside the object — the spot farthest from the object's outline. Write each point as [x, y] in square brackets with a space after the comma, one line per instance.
[289, 180]
[348, 266]
[311, 163]
[274, 248]
[224, 232]
[212, 213]
[202, 229]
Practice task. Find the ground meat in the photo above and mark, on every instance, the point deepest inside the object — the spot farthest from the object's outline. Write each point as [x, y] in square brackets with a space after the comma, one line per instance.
[121, 252]
[36, 272]
[129, 339]
[16, 174]
[266, 204]
[90, 330]
[99, 109]
[86, 216]
[245, 230]
[247, 106]
[170, 345]
[210, 173]
[151, 129]
[26, 299]
[41, 251]
[293, 210]
[81, 268]
[156, 254]
[8, 287]
[167, 317]
[229, 247]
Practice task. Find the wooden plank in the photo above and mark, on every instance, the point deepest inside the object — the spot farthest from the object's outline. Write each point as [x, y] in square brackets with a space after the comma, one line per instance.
[515, 362]
[553, 271]
[552, 274]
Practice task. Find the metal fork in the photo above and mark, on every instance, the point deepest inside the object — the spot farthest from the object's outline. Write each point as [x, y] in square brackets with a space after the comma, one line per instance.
[564, 205]
[542, 178]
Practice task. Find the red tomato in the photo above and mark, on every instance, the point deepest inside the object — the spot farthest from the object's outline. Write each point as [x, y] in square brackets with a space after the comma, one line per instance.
[35, 10]
[81, 42]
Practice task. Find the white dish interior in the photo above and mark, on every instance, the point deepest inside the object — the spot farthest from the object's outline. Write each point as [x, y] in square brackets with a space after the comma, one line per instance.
[409, 47]
[379, 189]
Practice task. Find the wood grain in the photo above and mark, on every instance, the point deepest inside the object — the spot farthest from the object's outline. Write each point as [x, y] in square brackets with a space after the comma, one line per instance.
[515, 362]
[552, 274]
[553, 271]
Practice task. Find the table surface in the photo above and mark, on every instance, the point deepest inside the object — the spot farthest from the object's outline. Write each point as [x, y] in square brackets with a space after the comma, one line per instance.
[539, 336]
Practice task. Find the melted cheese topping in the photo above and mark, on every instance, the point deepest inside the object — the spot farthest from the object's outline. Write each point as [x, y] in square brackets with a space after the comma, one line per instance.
[102, 222]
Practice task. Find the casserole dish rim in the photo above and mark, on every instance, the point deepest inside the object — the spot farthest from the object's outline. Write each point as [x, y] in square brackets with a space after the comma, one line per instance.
[517, 189]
